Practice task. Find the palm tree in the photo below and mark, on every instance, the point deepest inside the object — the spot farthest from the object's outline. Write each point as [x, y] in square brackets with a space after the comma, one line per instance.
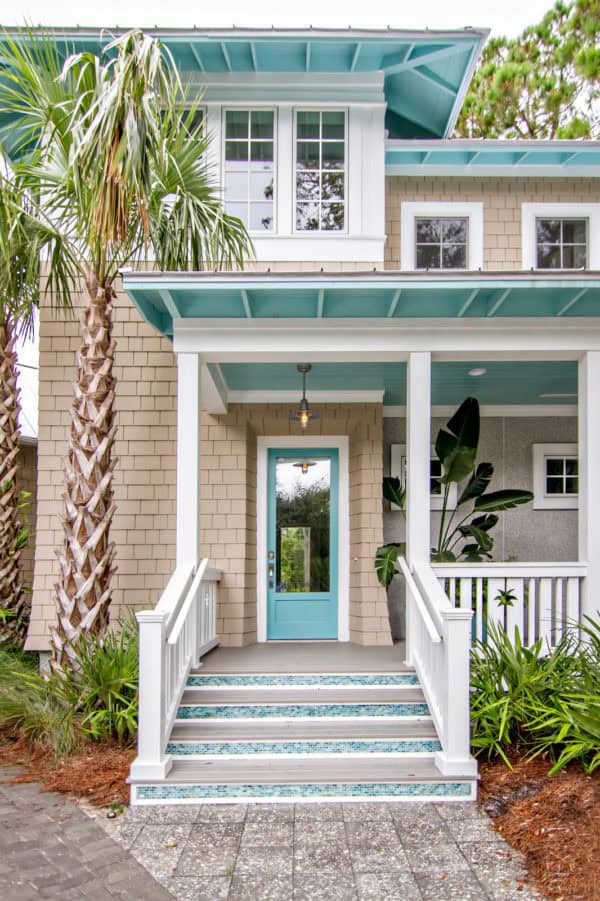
[26, 235]
[124, 168]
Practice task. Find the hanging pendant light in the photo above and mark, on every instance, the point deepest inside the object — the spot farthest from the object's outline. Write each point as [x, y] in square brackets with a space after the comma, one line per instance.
[304, 466]
[303, 414]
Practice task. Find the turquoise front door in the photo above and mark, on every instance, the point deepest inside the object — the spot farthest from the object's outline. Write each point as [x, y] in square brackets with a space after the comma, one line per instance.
[302, 543]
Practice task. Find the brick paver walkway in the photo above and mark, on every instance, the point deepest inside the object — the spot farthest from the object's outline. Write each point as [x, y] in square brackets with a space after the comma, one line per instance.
[334, 852]
[51, 849]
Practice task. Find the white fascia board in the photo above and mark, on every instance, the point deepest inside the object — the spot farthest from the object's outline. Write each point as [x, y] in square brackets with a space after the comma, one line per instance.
[319, 396]
[501, 411]
[365, 339]
[485, 171]
[324, 88]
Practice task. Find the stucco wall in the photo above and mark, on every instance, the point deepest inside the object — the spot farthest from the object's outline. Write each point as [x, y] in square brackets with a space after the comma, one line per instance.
[502, 199]
[228, 515]
[522, 534]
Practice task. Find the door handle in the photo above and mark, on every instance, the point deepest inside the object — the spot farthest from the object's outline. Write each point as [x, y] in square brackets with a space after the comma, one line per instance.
[271, 575]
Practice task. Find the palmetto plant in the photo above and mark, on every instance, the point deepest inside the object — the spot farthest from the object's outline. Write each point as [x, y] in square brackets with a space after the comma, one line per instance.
[25, 234]
[122, 167]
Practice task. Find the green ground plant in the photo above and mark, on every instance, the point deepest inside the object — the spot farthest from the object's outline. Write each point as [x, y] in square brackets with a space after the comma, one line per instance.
[59, 710]
[539, 700]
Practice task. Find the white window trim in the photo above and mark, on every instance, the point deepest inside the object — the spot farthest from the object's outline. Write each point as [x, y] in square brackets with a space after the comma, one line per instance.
[302, 232]
[263, 233]
[413, 210]
[436, 501]
[542, 500]
[532, 211]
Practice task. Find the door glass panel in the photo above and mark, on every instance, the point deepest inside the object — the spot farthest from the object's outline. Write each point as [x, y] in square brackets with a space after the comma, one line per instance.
[303, 495]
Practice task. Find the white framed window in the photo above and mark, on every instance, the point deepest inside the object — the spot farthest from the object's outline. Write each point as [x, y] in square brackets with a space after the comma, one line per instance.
[249, 165]
[555, 476]
[560, 235]
[399, 469]
[441, 236]
[320, 166]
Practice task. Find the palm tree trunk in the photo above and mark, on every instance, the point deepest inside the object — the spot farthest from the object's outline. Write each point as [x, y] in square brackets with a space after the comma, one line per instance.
[83, 594]
[13, 598]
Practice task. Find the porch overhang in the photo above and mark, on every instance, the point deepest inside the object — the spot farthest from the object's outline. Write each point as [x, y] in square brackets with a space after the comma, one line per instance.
[163, 298]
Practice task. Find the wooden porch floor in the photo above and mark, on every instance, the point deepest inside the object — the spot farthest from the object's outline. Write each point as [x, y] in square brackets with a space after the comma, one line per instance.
[305, 657]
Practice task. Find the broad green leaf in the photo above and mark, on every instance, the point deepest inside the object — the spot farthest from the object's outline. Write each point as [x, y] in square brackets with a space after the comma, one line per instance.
[505, 499]
[385, 562]
[394, 491]
[477, 484]
[465, 424]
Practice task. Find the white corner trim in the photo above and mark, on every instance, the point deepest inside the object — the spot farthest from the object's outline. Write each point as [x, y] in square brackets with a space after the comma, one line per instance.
[531, 211]
[411, 210]
[542, 500]
[399, 468]
[502, 411]
[342, 443]
[291, 397]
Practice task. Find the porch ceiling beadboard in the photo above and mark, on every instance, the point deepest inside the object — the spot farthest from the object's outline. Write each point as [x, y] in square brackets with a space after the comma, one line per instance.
[425, 73]
[160, 297]
[548, 383]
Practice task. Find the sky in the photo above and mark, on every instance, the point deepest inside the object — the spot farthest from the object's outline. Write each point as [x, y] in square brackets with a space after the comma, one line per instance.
[506, 17]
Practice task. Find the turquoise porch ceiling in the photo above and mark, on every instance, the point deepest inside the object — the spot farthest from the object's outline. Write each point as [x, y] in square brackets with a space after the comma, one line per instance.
[503, 383]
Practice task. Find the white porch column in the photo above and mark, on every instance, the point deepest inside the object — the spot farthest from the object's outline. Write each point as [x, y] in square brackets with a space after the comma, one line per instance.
[589, 479]
[418, 444]
[189, 370]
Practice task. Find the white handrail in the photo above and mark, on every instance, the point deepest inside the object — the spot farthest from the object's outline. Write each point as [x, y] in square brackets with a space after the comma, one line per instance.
[432, 631]
[184, 611]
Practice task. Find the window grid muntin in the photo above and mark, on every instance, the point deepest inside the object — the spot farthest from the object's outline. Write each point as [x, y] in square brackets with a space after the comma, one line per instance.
[562, 473]
[248, 201]
[442, 243]
[321, 171]
[561, 244]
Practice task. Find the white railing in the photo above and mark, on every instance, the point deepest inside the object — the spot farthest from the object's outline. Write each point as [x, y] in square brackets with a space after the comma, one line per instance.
[438, 638]
[173, 637]
[542, 599]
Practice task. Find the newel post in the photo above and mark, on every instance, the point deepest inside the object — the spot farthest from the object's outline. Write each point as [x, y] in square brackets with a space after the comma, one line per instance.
[455, 759]
[151, 762]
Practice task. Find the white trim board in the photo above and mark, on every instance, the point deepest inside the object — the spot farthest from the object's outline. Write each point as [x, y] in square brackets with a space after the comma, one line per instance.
[342, 443]
[504, 411]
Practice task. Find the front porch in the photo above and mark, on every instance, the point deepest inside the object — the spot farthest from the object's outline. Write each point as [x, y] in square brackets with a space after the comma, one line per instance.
[224, 367]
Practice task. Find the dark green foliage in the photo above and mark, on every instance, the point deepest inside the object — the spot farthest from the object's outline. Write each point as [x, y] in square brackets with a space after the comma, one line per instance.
[97, 700]
[543, 701]
[385, 562]
[543, 83]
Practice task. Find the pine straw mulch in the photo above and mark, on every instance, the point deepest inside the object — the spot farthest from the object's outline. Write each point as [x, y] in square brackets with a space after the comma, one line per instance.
[554, 821]
[97, 773]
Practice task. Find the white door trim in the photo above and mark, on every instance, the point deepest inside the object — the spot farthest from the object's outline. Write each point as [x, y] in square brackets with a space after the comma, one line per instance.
[263, 443]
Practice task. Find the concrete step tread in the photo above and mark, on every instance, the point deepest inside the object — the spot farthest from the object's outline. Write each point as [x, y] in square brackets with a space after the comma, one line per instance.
[324, 770]
[316, 730]
[309, 695]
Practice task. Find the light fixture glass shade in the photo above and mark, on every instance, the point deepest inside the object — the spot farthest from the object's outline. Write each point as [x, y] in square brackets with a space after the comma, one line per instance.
[303, 414]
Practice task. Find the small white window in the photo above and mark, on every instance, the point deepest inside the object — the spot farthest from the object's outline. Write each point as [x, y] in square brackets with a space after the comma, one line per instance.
[560, 235]
[398, 468]
[320, 170]
[249, 164]
[555, 476]
[441, 236]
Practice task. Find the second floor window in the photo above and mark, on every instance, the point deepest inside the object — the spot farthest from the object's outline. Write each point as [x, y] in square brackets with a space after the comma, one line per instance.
[561, 243]
[320, 170]
[249, 167]
[441, 243]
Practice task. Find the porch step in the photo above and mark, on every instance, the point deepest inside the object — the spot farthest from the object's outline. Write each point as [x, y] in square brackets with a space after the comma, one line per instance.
[302, 680]
[303, 747]
[326, 779]
[310, 694]
[307, 710]
[392, 729]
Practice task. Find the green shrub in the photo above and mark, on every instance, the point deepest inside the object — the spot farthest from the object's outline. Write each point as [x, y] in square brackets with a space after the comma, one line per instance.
[99, 699]
[541, 701]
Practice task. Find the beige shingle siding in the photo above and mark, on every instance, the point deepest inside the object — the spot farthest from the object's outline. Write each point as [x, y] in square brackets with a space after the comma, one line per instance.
[502, 199]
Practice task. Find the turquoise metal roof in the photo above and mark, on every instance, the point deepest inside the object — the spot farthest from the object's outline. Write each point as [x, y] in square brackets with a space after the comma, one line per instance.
[160, 297]
[511, 382]
[426, 73]
[496, 157]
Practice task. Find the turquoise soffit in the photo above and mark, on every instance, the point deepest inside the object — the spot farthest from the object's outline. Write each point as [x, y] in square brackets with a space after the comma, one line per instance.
[161, 297]
[426, 73]
[469, 157]
[548, 383]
